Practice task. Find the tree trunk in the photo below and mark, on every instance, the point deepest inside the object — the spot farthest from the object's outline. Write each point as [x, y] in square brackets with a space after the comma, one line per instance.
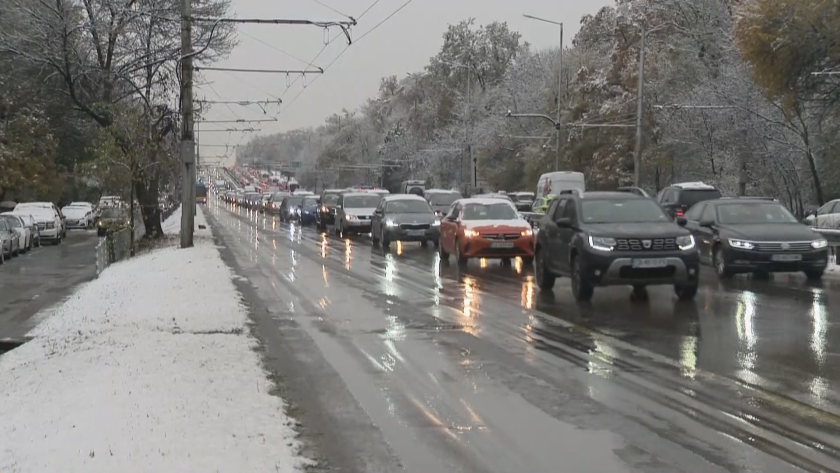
[147, 195]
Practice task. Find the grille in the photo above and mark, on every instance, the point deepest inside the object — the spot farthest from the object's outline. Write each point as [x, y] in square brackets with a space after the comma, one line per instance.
[502, 236]
[415, 226]
[646, 273]
[778, 246]
[72, 222]
[637, 244]
[42, 226]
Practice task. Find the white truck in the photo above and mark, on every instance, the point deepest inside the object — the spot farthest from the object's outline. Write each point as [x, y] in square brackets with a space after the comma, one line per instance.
[552, 183]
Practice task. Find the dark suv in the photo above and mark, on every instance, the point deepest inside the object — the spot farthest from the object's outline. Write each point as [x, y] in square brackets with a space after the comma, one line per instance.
[615, 239]
[676, 199]
[326, 210]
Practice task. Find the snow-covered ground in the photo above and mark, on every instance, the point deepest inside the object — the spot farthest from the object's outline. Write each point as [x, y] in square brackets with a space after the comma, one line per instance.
[149, 368]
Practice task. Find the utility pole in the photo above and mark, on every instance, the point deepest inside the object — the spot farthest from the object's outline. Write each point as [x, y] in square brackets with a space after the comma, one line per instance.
[559, 89]
[187, 136]
[637, 159]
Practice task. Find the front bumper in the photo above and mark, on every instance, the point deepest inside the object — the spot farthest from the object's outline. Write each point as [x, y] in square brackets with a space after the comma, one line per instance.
[402, 234]
[618, 268]
[479, 247]
[49, 233]
[357, 226]
[77, 224]
[739, 260]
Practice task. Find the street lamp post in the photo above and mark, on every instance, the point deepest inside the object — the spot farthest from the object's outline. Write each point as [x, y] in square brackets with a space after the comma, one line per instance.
[557, 125]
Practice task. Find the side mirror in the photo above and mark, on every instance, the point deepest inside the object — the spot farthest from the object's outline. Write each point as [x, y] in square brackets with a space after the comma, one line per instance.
[379, 212]
[682, 221]
[812, 213]
[707, 223]
[563, 222]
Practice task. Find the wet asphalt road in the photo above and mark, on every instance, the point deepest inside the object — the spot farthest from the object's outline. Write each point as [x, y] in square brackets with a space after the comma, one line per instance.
[475, 370]
[41, 278]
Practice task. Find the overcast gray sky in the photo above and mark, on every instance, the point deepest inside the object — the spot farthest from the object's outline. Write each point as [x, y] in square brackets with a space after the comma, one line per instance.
[400, 45]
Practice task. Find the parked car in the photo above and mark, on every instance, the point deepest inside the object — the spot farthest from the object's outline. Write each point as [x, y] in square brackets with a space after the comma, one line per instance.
[78, 217]
[751, 235]
[827, 216]
[9, 242]
[48, 217]
[30, 223]
[21, 230]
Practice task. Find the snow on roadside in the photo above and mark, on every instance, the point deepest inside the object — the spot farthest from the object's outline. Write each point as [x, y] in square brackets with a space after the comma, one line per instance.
[172, 225]
[148, 368]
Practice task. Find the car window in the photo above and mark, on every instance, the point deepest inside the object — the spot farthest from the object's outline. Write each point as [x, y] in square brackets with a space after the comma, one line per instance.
[695, 212]
[570, 210]
[362, 201]
[329, 199]
[557, 208]
[827, 208]
[455, 212]
[443, 198]
[754, 213]
[408, 207]
[4, 227]
[708, 213]
[622, 211]
[500, 211]
[13, 222]
[689, 197]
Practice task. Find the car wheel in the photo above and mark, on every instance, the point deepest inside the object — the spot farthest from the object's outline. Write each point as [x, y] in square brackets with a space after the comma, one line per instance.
[2, 254]
[528, 259]
[462, 260]
[342, 233]
[436, 242]
[374, 238]
[16, 252]
[639, 293]
[444, 256]
[721, 268]
[814, 274]
[581, 288]
[545, 280]
[686, 292]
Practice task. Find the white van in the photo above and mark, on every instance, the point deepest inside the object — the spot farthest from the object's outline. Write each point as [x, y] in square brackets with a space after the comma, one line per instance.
[553, 183]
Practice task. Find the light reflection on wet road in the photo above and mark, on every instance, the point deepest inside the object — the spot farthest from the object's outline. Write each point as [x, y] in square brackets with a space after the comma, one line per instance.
[478, 370]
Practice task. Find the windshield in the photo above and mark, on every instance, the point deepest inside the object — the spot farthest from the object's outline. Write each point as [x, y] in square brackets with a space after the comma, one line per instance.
[693, 196]
[278, 196]
[754, 213]
[330, 199]
[622, 211]
[310, 202]
[75, 210]
[500, 211]
[112, 213]
[294, 201]
[408, 207]
[444, 198]
[362, 201]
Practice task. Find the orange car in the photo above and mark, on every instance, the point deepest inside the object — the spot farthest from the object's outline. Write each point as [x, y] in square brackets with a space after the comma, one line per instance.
[485, 228]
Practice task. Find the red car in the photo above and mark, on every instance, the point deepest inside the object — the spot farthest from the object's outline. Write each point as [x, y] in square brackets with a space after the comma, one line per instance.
[485, 228]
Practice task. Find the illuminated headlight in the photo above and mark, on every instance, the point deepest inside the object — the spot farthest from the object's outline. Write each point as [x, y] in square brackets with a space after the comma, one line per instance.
[351, 217]
[741, 244]
[821, 243]
[526, 233]
[297, 211]
[471, 233]
[324, 208]
[101, 224]
[602, 243]
[686, 242]
[436, 223]
[390, 223]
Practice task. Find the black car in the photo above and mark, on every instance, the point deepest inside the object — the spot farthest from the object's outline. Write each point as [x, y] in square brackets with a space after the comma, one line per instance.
[754, 235]
[677, 199]
[290, 208]
[614, 239]
[326, 211]
[404, 217]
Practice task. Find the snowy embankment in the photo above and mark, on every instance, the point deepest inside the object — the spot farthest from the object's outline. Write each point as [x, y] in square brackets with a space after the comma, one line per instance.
[149, 368]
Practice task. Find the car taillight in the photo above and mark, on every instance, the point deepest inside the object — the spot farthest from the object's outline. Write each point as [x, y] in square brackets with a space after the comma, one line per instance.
[680, 213]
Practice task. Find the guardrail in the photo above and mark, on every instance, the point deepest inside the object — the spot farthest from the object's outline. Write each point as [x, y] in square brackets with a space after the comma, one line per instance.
[116, 246]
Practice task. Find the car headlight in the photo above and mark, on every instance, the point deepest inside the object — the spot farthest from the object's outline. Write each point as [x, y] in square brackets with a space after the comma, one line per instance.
[821, 243]
[526, 233]
[602, 243]
[390, 223]
[471, 233]
[324, 208]
[686, 242]
[350, 217]
[297, 211]
[436, 223]
[101, 224]
[741, 244]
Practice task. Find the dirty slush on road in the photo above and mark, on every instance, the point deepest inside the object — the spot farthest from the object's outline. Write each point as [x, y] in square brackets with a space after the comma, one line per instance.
[397, 361]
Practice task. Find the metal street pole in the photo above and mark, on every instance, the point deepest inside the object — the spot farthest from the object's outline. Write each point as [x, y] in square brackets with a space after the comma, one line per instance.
[637, 159]
[187, 136]
[559, 89]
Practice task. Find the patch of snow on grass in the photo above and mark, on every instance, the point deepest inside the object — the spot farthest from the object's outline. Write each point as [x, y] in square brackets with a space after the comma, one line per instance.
[149, 368]
[172, 225]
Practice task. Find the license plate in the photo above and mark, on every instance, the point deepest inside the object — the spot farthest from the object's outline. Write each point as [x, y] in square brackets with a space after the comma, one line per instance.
[650, 263]
[501, 244]
[416, 232]
[786, 257]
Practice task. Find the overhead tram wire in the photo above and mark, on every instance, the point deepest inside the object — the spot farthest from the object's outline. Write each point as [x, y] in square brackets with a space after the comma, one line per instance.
[345, 50]
[324, 48]
[319, 2]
